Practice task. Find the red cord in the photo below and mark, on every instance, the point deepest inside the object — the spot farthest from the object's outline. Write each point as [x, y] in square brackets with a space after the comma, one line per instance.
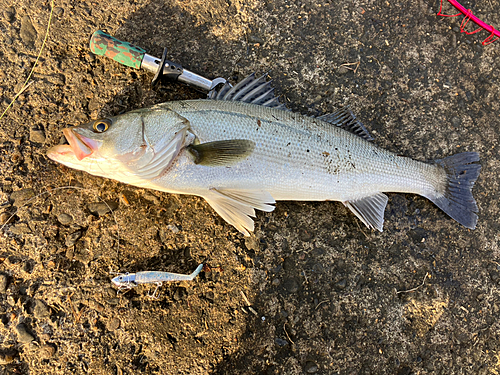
[468, 16]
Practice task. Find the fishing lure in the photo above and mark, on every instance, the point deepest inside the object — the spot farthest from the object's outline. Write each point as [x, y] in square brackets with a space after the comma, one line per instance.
[131, 280]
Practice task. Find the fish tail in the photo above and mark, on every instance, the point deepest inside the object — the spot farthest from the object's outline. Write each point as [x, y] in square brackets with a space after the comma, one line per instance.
[456, 198]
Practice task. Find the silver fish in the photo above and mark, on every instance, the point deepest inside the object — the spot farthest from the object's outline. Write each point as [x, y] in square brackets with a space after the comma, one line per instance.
[242, 151]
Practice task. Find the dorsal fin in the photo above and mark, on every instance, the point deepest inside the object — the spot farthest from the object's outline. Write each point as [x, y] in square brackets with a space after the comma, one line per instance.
[345, 119]
[250, 90]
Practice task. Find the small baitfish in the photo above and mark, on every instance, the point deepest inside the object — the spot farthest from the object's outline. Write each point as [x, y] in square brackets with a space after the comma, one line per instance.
[243, 151]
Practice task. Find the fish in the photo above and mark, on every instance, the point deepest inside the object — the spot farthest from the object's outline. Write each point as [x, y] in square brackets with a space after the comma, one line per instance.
[242, 150]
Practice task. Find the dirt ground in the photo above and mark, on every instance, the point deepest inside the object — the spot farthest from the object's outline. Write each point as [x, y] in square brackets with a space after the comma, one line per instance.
[326, 295]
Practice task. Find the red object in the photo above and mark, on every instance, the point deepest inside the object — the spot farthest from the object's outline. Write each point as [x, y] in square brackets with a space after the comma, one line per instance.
[470, 17]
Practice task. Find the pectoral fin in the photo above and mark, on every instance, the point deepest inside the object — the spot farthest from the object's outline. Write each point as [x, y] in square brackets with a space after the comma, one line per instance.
[236, 206]
[370, 210]
[221, 153]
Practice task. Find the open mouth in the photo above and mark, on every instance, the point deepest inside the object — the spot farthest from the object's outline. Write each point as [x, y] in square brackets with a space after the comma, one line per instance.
[81, 146]
[78, 145]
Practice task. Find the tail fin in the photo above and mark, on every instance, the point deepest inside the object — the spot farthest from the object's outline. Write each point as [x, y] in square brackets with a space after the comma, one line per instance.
[457, 200]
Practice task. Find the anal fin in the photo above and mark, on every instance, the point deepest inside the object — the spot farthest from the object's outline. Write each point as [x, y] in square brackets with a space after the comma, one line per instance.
[370, 210]
[237, 206]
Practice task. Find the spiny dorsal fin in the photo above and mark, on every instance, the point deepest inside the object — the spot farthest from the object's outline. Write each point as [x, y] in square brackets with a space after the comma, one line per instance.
[345, 119]
[221, 153]
[251, 90]
[370, 210]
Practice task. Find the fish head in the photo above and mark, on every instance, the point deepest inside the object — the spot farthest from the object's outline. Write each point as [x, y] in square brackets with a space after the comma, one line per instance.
[109, 146]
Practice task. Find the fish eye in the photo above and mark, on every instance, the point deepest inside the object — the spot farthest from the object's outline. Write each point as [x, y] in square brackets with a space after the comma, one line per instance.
[100, 126]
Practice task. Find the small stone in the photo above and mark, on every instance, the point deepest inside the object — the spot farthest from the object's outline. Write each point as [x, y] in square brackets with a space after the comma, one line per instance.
[58, 11]
[65, 219]
[94, 105]
[252, 38]
[341, 284]
[113, 301]
[41, 310]
[291, 285]
[173, 228]
[343, 70]
[23, 335]
[4, 217]
[113, 324]
[9, 14]
[101, 208]
[456, 122]
[72, 238]
[20, 197]
[94, 305]
[83, 255]
[311, 367]
[47, 351]
[109, 293]
[7, 357]
[21, 228]
[28, 32]
[37, 136]
[280, 342]
[4, 281]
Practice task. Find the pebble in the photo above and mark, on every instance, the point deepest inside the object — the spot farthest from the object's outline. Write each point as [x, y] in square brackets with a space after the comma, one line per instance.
[9, 14]
[113, 324]
[291, 285]
[343, 70]
[7, 357]
[4, 216]
[252, 38]
[65, 219]
[101, 208]
[94, 105]
[280, 341]
[28, 32]
[23, 334]
[109, 293]
[341, 284]
[47, 351]
[21, 228]
[173, 228]
[20, 197]
[41, 310]
[96, 306]
[37, 136]
[311, 367]
[4, 281]
[456, 122]
[58, 11]
[72, 238]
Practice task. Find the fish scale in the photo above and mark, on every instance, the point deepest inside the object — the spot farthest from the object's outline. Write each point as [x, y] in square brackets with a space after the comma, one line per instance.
[243, 156]
[281, 163]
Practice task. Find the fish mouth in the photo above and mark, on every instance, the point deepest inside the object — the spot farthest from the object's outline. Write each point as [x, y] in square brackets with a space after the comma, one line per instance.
[79, 146]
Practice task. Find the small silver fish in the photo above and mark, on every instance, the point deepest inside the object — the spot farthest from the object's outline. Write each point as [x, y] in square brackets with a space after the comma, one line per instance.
[242, 151]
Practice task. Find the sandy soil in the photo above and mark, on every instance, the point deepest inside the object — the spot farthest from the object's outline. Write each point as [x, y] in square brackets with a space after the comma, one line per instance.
[325, 293]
